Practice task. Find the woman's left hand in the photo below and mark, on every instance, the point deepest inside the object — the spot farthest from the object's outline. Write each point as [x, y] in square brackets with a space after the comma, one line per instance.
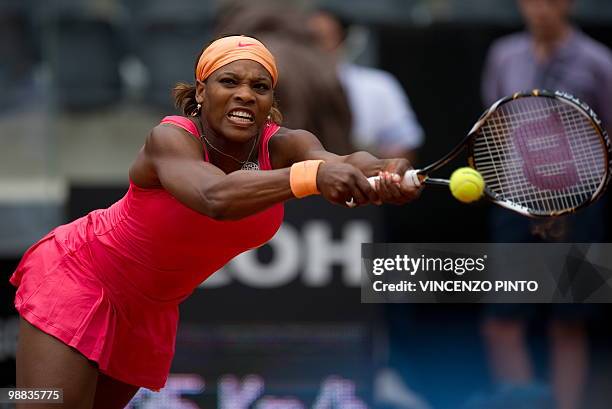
[390, 186]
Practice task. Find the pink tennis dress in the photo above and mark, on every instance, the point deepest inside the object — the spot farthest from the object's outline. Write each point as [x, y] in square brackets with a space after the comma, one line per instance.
[109, 284]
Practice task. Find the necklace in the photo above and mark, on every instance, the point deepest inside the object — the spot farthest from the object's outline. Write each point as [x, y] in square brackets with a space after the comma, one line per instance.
[244, 164]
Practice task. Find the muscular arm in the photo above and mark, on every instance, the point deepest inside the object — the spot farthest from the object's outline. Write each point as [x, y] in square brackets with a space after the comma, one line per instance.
[293, 146]
[172, 159]
[297, 145]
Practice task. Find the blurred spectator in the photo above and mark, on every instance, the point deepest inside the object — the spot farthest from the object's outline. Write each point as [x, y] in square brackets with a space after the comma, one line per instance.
[383, 121]
[309, 92]
[552, 54]
[384, 124]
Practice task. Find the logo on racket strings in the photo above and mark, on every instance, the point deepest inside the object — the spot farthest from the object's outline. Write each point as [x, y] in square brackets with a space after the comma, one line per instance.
[548, 162]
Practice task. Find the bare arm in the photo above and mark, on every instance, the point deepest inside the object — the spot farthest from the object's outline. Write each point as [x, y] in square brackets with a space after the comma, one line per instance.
[296, 145]
[172, 159]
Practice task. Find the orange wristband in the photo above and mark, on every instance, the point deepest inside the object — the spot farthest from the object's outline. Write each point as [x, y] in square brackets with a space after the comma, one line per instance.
[303, 178]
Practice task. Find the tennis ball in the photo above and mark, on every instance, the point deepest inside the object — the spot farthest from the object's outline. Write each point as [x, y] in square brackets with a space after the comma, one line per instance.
[466, 184]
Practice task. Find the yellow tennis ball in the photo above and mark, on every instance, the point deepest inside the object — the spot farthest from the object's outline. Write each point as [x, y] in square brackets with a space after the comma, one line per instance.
[466, 185]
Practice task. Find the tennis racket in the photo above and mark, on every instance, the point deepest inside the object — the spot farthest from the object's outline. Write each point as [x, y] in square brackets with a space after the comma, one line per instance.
[540, 154]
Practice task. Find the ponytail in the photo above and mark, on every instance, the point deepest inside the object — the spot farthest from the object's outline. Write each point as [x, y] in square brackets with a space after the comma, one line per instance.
[185, 98]
[275, 114]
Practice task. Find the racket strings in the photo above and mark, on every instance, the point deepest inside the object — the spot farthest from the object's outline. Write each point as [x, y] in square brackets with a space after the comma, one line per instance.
[534, 198]
[539, 198]
[541, 154]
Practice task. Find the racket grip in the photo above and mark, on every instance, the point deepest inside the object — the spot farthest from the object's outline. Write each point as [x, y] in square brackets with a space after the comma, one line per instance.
[410, 179]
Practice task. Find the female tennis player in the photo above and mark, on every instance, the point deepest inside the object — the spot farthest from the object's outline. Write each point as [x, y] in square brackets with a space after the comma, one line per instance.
[99, 297]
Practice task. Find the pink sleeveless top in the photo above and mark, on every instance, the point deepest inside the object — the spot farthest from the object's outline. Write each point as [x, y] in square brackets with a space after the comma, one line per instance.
[109, 283]
[165, 248]
[169, 248]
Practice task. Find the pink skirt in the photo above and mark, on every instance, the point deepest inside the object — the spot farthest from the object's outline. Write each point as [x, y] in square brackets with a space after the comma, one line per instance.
[59, 291]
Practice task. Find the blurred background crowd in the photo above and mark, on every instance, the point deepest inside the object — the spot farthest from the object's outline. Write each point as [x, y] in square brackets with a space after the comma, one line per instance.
[83, 82]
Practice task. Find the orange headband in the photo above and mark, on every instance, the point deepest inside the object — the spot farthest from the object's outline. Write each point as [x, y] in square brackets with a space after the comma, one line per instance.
[229, 49]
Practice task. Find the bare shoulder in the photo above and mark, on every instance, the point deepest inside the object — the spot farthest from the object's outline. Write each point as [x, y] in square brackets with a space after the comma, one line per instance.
[171, 139]
[164, 141]
[285, 136]
[290, 145]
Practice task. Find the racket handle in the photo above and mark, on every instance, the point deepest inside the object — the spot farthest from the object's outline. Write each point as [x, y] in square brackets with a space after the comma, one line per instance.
[411, 179]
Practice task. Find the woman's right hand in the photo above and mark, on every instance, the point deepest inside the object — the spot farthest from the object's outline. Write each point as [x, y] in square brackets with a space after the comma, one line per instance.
[341, 182]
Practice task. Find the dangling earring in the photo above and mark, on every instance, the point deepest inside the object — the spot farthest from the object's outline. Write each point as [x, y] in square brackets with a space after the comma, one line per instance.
[197, 110]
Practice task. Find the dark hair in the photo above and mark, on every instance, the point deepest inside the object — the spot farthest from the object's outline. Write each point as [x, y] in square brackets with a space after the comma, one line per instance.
[185, 98]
